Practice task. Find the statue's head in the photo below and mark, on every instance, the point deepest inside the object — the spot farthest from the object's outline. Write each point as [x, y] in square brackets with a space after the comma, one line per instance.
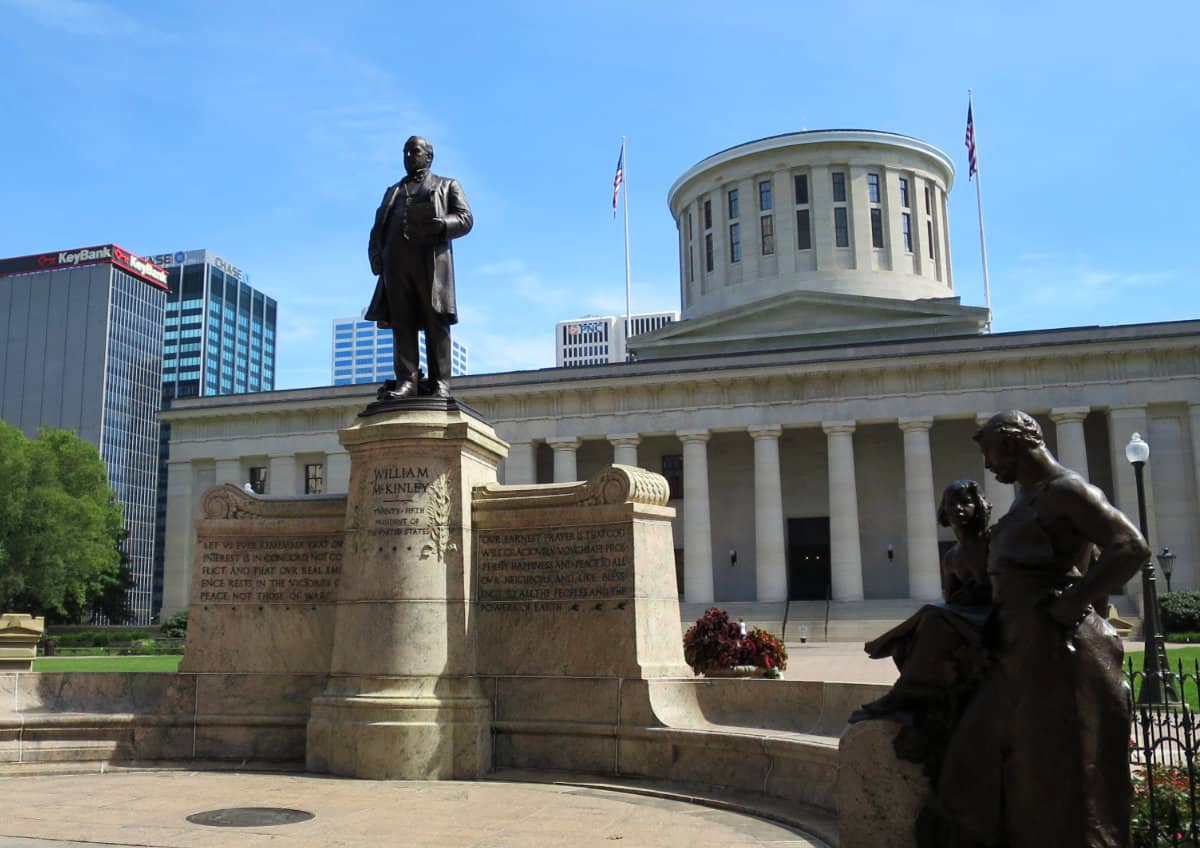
[963, 505]
[1005, 438]
[418, 154]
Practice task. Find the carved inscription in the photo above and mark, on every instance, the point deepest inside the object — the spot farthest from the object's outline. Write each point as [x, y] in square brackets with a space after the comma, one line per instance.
[270, 570]
[397, 500]
[413, 503]
[555, 569]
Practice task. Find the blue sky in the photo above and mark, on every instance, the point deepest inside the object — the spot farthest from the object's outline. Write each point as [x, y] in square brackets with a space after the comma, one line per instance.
[267, 131]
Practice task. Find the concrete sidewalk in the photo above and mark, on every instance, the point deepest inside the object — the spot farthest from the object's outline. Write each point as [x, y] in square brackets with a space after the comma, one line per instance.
[127, 807]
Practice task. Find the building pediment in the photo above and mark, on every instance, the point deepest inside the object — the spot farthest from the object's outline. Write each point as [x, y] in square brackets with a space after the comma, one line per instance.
[810, 319]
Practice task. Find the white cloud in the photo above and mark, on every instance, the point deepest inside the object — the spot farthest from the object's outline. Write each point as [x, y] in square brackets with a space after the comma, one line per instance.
[81, 17]
[492, 352]
[1048, 280]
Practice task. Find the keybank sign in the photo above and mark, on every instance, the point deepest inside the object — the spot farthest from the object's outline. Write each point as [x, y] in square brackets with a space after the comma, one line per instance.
[86, 254]
[144, 269]
[141, 268]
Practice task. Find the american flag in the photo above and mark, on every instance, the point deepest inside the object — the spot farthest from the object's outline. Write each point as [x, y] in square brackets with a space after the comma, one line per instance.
[970, 142]
[619, 178]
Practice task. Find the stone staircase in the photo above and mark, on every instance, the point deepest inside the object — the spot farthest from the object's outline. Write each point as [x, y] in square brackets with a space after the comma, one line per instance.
[843, 621]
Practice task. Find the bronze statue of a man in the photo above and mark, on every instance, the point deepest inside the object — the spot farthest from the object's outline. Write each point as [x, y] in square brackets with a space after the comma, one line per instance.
[410, 251]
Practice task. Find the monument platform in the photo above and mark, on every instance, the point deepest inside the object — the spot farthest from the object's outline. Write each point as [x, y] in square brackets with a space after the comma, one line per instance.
[134, 807]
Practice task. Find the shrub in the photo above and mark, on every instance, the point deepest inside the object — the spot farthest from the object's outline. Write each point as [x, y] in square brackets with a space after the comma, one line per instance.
[175, 627]
[715, 642]
[1172, 812]
[142, 646]
[1180, 611]
[766, 651]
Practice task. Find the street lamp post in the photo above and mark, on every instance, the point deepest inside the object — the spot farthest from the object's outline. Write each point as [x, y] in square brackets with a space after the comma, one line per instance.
[1166, 561]
[1158, 685]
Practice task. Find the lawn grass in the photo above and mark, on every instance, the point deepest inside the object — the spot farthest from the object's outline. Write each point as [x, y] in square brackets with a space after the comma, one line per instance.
[166, 662]
[1188, 656]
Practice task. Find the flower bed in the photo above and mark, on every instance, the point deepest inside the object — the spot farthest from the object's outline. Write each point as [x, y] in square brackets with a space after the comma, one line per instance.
[716, 644]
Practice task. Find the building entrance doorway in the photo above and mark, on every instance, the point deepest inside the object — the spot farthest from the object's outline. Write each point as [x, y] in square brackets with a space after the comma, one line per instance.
[808, 559]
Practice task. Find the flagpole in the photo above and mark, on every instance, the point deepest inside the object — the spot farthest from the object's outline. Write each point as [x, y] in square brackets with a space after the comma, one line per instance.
[628, 287]
[987, 291]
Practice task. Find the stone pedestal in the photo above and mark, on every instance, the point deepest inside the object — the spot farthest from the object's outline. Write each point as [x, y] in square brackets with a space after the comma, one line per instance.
[403, 701]
[19, 637]
[879, 796]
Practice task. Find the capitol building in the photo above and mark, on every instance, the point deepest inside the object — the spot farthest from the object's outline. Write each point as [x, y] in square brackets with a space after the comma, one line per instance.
[820, 389]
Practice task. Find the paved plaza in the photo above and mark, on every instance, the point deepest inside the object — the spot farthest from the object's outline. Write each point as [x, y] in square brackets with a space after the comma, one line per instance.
[125, 807]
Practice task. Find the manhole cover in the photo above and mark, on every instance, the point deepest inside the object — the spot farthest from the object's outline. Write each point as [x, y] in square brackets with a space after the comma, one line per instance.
[249, 817]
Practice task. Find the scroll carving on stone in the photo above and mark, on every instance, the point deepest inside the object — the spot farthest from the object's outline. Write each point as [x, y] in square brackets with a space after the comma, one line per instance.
[437, 511]
[616, 484]
[230, 502]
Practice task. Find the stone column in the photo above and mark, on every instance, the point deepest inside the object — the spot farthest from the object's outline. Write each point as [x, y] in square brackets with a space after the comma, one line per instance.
[521, 465]
[1068, 424]
[920, 506]
[337, 472]
[999, 494]
[770, 558]
[230, 471]
[177, 558]
[1194, 423]
[281, 478]
[845, 551]
[860, 216]
[1123, 422]
[564, 459]
[697, 531]
[403, 701]
[625, 447]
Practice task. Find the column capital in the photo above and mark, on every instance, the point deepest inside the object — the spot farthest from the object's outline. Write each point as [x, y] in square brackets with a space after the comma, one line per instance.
[1065, 414]
[563, 443]
[686, 436]
[766, 431]
[923, 423]
[837, 427]
[627, 439]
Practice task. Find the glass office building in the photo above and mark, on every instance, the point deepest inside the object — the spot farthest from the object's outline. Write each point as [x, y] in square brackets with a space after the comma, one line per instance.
[218, 339]
[362, 353]
[81, 336]
[219, 336]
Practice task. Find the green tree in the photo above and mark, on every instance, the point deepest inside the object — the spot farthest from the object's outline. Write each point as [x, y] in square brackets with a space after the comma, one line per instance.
[60, 525]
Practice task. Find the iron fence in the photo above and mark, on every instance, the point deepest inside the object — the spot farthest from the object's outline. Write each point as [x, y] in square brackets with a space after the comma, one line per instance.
[1162, 759]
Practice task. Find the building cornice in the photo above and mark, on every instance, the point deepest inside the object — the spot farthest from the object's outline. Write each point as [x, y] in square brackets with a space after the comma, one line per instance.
[812, 137]
[535, 388]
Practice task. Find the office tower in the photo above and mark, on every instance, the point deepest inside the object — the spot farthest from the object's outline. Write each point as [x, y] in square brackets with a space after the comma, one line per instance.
[81, 335]
[599, 340]
[362, 353]
[218, 339]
